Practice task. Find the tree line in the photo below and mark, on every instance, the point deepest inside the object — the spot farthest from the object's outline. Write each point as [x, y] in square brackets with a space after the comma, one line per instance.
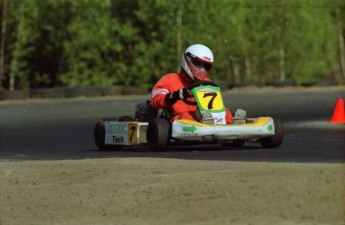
[80, 43]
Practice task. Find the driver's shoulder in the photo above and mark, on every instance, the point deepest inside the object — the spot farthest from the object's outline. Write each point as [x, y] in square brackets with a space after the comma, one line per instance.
[171, 78]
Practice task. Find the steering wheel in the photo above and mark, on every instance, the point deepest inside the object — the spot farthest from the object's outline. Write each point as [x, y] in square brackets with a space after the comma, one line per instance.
[197, 84]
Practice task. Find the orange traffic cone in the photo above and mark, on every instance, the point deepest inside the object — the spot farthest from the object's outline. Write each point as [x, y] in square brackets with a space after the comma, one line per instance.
[339, 114]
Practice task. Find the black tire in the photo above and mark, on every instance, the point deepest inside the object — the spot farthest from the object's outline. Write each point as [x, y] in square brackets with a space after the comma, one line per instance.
[277, 139]
[158, 134]
[99, 135]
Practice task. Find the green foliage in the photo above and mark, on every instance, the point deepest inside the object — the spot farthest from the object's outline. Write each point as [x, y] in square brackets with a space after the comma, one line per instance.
[88, 42]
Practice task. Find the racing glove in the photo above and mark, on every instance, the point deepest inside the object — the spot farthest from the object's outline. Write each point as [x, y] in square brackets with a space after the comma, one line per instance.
[173, 97]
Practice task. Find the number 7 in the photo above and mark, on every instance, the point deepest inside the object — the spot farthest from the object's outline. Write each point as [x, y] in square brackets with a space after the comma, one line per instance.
[133, 130]
[213, 95]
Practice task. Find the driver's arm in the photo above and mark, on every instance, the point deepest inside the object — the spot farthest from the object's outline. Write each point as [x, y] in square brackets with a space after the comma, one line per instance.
[161, 98]
[173, 97]
[164, 95]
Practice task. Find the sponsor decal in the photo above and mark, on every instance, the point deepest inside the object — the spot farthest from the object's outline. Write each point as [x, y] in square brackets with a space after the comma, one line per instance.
[218, 121]
[270, 127]
[117, 139]
[191, 129]
[116, 127]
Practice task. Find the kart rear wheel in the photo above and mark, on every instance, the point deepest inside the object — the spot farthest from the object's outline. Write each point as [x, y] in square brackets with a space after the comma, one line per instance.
[276, 140]
[158, 134]
[99, 135]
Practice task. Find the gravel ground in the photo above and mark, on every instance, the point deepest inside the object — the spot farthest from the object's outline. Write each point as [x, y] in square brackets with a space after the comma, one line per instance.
[168, 191]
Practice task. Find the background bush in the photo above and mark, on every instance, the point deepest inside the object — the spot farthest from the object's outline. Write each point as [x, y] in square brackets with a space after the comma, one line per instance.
[54, 43]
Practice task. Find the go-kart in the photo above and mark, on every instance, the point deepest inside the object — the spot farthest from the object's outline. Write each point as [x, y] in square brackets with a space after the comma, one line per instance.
[152, 128]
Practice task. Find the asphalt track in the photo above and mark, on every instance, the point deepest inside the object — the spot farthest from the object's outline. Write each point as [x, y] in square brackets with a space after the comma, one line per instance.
[63, 129]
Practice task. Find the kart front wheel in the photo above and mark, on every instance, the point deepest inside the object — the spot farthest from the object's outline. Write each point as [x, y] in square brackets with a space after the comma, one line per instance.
[158, 134]
[276, 140]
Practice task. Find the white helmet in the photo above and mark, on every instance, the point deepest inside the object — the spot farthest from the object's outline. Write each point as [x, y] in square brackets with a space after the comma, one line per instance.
[196, 61]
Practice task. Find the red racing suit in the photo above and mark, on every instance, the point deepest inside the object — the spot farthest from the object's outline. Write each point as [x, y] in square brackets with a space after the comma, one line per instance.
[180, 110]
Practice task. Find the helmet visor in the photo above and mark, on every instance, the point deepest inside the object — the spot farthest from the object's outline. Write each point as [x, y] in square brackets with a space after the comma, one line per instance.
[199, 63]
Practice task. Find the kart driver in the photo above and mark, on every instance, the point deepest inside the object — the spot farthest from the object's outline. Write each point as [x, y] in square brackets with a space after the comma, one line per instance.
[170, 90]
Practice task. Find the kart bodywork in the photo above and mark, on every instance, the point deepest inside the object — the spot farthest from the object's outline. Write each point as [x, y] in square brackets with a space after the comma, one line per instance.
[152, 128]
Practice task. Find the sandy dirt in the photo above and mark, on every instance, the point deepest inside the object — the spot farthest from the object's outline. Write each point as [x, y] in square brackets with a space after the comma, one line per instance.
[168, 191]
